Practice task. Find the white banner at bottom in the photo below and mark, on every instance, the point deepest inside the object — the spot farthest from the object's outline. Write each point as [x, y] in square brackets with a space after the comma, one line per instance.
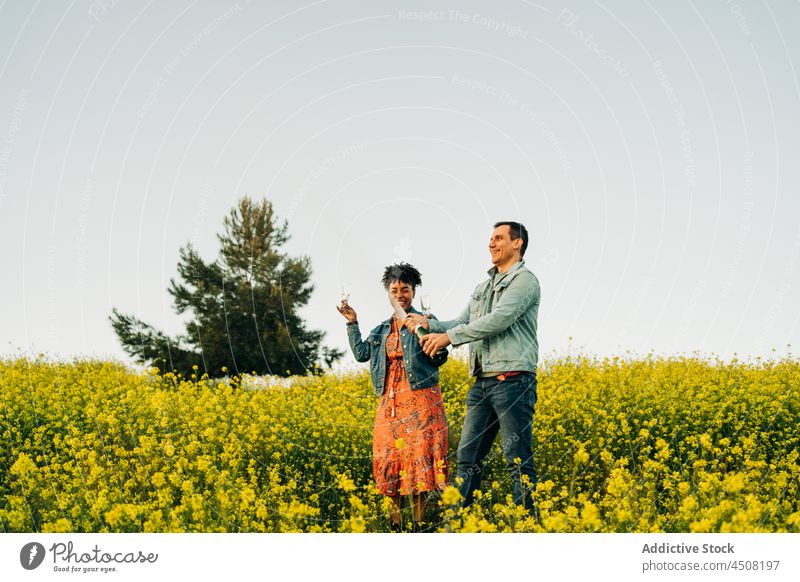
[373, 557]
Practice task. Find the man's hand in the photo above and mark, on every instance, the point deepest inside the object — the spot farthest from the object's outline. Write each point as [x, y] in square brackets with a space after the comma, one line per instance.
[433, 342]
[413, 320]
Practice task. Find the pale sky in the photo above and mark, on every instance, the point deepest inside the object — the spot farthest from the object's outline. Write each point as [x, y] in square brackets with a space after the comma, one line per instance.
[651, 149]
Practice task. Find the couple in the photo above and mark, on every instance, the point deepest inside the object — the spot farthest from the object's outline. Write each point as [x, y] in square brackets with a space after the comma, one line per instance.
[410, 434]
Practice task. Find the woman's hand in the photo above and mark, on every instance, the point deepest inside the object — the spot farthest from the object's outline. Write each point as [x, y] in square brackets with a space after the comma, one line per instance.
[347, 312]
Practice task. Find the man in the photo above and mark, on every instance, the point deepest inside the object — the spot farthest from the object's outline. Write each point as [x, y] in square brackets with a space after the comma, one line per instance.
[499, 324]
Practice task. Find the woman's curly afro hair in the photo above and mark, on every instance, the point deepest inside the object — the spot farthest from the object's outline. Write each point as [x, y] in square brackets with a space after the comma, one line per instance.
[401, 272]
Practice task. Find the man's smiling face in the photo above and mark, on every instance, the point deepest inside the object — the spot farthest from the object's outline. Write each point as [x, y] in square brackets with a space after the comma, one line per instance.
[502, 249]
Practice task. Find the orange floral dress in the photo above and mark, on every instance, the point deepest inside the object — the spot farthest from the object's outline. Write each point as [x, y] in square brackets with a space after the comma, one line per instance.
[409, 446]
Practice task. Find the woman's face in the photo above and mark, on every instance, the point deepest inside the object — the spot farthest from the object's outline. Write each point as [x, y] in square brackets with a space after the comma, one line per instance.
[403, 293]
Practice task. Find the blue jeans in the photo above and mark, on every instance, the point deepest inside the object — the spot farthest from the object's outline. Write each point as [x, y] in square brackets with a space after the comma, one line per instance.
[505, 406]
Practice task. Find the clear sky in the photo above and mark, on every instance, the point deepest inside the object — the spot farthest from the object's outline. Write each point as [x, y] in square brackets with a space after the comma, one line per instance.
[651, 148]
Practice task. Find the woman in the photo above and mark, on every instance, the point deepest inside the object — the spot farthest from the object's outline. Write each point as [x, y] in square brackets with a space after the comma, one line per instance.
[409, 446]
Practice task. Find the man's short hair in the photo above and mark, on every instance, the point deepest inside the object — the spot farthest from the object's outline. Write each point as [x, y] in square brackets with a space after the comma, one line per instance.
[516, 230]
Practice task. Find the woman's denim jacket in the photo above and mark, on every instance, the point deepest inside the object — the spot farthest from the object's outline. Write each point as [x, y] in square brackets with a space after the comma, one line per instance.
[422, 371]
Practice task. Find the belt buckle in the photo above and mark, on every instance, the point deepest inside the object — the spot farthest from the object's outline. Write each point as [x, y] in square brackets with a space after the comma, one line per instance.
[502, 377]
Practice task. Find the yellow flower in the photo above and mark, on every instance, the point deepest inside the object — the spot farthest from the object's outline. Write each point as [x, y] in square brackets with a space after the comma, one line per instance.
[400, 443]
[23, 465]
[451, 496]
[734, 482]
[346, 483]
[158, 479]
[248, 495]
[581, 456]
[590, 517]
[61, 525]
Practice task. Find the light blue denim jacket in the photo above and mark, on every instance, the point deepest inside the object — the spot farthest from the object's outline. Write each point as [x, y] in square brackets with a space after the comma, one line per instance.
[422, 371]
[500, 319]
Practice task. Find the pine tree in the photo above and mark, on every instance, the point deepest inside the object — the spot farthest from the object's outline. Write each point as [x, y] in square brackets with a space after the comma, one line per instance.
[243, 306]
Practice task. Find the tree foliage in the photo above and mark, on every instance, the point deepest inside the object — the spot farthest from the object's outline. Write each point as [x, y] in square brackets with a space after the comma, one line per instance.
[243, 307]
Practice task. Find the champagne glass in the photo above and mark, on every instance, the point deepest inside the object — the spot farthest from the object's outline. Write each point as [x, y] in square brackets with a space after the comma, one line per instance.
[425, 304]
[344, 292]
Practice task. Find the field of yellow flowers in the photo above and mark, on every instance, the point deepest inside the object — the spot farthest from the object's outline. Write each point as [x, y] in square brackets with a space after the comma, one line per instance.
[649, 444]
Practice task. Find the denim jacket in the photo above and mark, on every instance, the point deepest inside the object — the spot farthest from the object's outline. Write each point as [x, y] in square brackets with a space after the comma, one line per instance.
[500, 320]
[422, 371]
